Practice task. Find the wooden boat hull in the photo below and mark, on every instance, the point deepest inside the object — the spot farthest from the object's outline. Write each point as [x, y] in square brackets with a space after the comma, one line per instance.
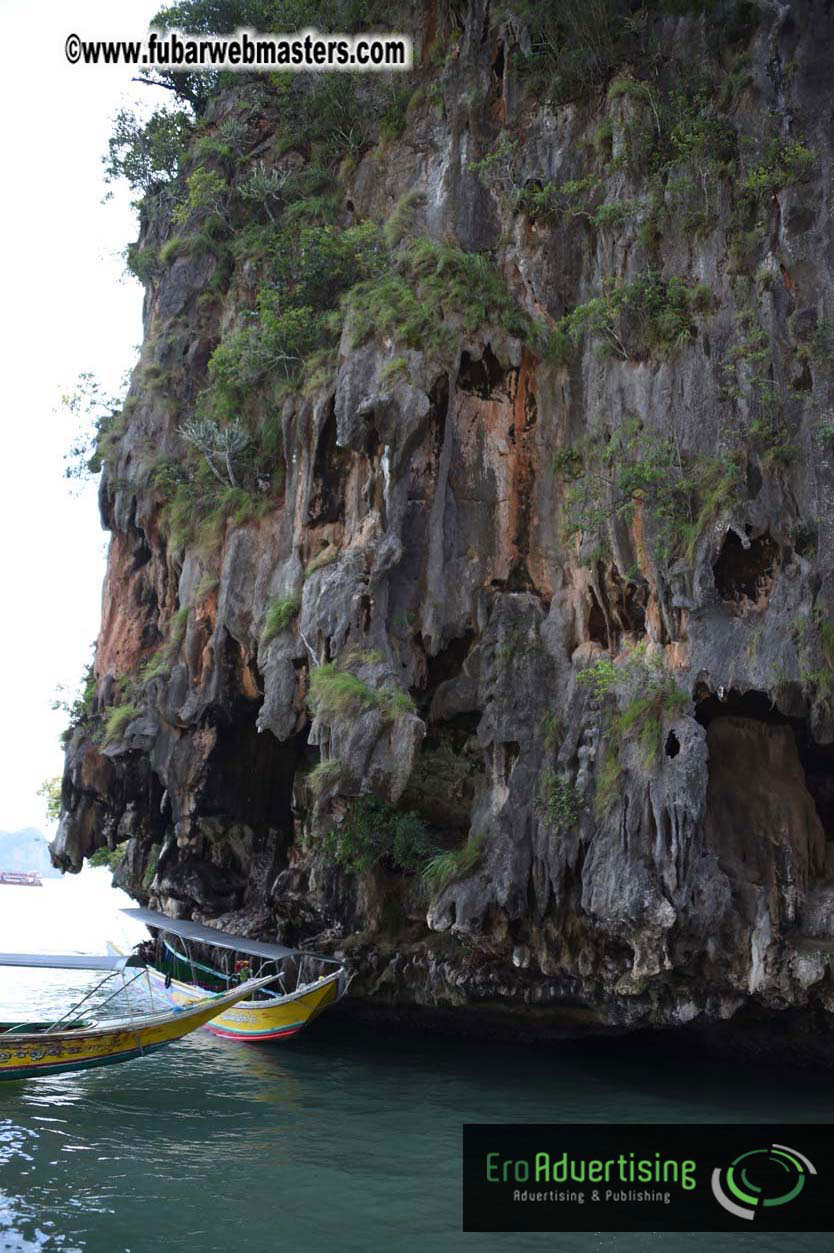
[259, 1022]
[30, 1055]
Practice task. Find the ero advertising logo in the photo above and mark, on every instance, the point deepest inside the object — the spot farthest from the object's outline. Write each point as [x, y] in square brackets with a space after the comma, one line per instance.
[647, 1177]
[761, 1177]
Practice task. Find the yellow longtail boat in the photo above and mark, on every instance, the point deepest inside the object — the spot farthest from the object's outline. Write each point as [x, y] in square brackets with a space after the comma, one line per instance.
[308, 983]
[30, 1049]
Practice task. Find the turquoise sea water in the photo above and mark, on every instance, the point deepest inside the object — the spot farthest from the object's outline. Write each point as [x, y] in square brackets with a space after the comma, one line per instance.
[346, 1140]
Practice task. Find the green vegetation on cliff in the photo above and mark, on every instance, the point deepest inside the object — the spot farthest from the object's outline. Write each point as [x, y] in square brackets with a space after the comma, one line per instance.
[109, 858]
[444, 868]
[118, 719]
[335, 692]
[310, 267]
[279, 614]
[558, 802]
[629, 471]
[77, 709]
[374, 833]
[638, 697]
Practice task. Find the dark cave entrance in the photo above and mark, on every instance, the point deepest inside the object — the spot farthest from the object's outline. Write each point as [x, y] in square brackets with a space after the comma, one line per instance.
[630, 600]
[597, 625]
[498, 71]
[817, 760]
[618, 606]
[744, 577]
[449, 764]
[330, 468]
[481, 376]
[438, 411]
[447, 664]
[250, 776]
[242, 825]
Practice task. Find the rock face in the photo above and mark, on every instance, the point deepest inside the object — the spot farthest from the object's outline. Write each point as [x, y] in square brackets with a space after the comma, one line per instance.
[555, 578]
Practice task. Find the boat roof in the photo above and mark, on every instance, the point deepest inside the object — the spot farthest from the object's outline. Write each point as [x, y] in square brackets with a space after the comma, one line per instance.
[70, 961]
[208, 935]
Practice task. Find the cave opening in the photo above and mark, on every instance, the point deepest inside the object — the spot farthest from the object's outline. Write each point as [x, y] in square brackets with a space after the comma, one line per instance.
[630, 603]
[249, 774]
[817, 760]
[754, 480]
[744, 577]
[438, 409]
[498, 70]
[447, 664]
[512, 751]
[243, 814]
[482, 376]
[140, 553]
[249, 778]
[447, 772]
[597, 625]
[330, 467]
[618, 607]
[673, 745]
[533, 186]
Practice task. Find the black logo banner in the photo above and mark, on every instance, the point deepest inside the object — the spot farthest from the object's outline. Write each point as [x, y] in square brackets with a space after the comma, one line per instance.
[648, 1177]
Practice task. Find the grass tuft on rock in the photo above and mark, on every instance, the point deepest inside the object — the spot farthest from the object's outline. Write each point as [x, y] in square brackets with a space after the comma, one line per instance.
[323, 775]
[337, 693]
[117, 721]
[279, 614]
[446, 867]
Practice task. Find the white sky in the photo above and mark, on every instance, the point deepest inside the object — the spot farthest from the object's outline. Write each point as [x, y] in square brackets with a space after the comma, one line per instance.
[66, 307]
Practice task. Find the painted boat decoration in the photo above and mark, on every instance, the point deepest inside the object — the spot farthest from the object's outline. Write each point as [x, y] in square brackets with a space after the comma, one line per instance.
[31, 1049]
[305, 983]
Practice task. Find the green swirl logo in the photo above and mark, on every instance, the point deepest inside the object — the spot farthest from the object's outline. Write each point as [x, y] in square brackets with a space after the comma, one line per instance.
[761, 1178]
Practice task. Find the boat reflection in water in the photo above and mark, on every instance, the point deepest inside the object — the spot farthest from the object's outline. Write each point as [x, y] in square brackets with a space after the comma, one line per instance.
[304, 984]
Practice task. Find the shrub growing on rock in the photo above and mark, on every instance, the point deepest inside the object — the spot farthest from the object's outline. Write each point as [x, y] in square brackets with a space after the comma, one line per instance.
[374, 833]
[558, 802]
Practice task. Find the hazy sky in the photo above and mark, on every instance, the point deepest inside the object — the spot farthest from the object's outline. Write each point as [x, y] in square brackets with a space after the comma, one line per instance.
[66, 307]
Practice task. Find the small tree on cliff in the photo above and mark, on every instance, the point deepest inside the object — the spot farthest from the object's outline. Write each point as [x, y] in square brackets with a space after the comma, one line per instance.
[219, 444]
[94, 411]
[50, 792]
[147, 153]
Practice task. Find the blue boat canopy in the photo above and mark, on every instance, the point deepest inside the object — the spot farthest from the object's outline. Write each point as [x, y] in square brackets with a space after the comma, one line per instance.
[69, 961]
[207, 935]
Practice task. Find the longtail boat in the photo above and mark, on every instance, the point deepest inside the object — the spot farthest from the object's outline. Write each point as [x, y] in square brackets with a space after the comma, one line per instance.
[30, 1049]
[305, 983]
[21, 878]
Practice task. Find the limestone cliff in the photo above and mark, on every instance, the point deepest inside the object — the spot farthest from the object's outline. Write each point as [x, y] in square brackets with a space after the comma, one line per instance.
[472, 500]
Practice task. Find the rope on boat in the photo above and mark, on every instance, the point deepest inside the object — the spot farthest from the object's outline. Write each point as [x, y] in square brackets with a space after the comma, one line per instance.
[219, 974]
[150, 986]
[92, 992]
[189, 961]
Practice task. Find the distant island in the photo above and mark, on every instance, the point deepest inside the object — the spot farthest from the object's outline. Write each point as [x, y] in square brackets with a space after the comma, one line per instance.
[26, 850]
